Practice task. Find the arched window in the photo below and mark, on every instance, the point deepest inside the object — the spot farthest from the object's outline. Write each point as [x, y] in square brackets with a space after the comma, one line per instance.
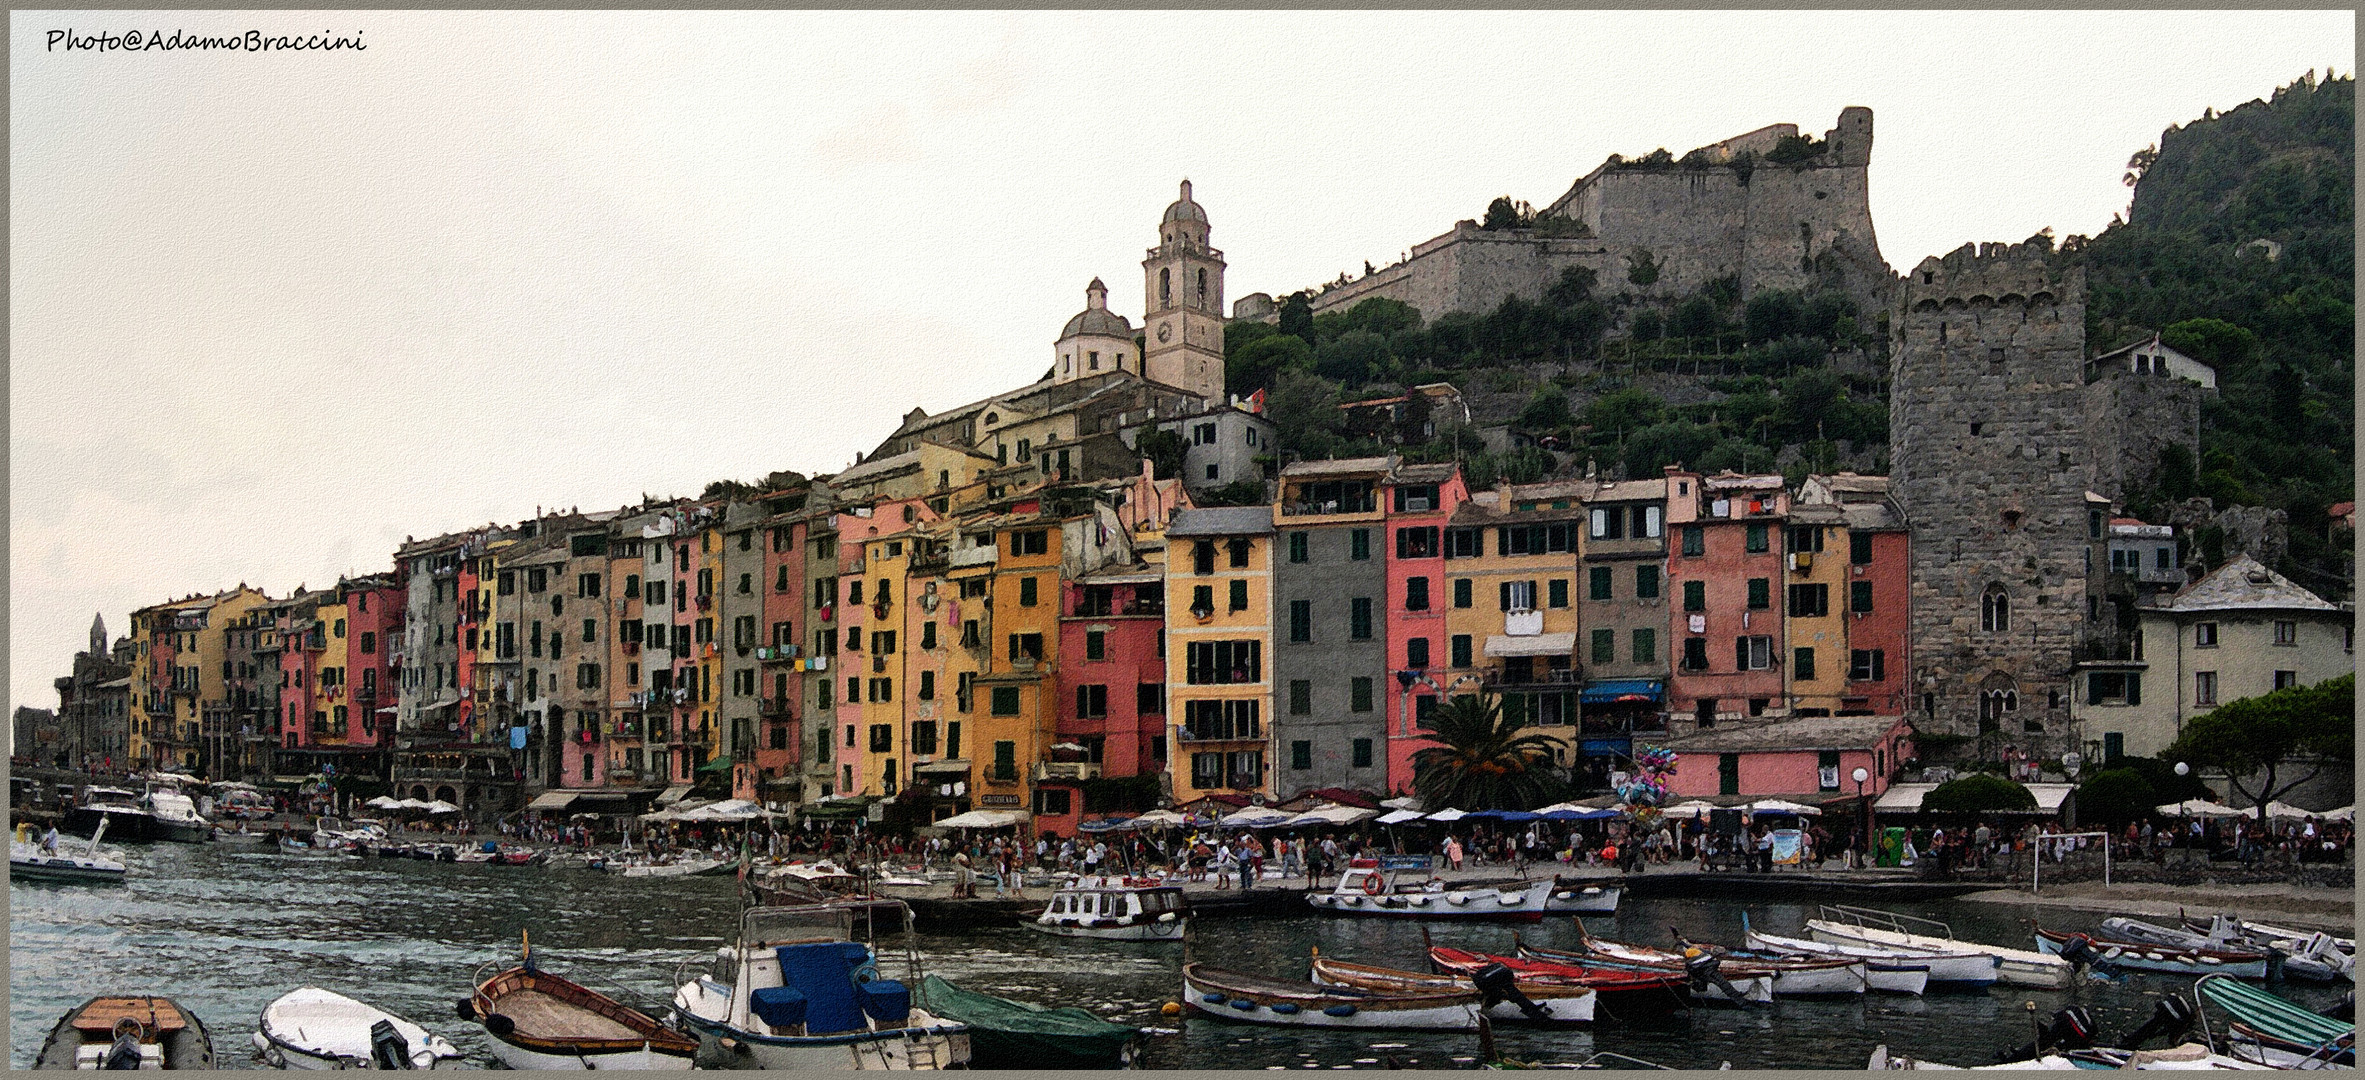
[1995, 610]
[1165, 286]
[1202, 286]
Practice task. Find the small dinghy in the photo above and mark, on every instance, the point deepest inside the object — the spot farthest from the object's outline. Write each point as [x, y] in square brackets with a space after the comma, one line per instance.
[2114, 956]
[1891, 969]
[127, 1033]
[1833, 976]
[1619, 993]
[1844, 925]
[540, 1021]
[1235, 995]
[1506, 997]
[31, 862]
[314, 1028]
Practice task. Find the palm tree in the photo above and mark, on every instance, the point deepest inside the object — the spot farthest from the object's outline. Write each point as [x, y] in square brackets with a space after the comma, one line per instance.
[1486, 762]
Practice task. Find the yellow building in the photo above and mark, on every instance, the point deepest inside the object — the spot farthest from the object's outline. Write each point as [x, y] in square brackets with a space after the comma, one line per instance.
[1015, 716]
[1219, 633]
[178, 685]
[873, 712]
[1815, 601]
[1511, 603]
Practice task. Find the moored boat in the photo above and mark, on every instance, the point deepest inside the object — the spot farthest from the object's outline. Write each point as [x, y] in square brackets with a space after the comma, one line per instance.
[1006, 1034]
[1946, 970]
[127, 819]
[1706, 975]
[797, 991]
[2271, 1030]
[175, 817]
[1529, 1000]
[141, 1032]
[1259, 999]
[31, 862]
[540, 1021]
[2114, 954]
[1843, 925]
[312, 1028]
[1115, 909]
[1367, 888]
[1831, 976]
[1620, 993]
[1572, 896]
[2306, 955]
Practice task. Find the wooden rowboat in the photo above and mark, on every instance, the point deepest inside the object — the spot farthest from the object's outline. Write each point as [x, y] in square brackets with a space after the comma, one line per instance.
[1622, 994]
[127, 1033]
[1259, 999]
[540, 1021]
[1548, 1002]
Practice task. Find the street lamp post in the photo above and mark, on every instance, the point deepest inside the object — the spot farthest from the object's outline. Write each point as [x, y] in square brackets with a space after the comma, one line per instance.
[1864, 808]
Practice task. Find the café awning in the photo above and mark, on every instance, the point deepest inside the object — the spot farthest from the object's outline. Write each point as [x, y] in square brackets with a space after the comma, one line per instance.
[1531, 645]
[1606, 691]
[673, 794]
[552, 800]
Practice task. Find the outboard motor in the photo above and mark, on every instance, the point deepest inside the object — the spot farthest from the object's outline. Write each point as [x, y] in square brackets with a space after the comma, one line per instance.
[2072, 1029]
[1704, 969]
[2170, 1018]
[1497, 983]
[388, 1049]
[2079, 950]
[125, 1054]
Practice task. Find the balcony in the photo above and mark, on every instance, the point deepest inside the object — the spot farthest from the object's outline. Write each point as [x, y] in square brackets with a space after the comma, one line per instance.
[1523, 623]
[777, 708]
[1066, 770]
[367, 695]
[1550, 678]
[975, 555]
[1222, 733]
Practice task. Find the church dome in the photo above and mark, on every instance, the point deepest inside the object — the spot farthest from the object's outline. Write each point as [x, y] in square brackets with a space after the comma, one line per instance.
[1183, 209]
[1096, 318]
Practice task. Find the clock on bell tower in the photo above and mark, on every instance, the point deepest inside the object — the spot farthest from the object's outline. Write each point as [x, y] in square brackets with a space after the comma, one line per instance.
[1183, 301]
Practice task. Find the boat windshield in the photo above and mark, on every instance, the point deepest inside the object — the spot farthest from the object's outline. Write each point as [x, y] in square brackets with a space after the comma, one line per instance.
[812, 922]
[110, 797]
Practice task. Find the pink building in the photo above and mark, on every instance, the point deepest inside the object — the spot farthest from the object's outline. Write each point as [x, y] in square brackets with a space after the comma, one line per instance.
[1111, 690]
[1724, 572]
[374, 617]
[1810, 760]
[781, 678]
[1419, 501]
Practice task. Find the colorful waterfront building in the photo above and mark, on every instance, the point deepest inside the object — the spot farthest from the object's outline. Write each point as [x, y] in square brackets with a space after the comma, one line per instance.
[1513, 617]
[1219, 617]
[780, 667]
[1622, 607]
[1332, 602]
[1879, 585]
[1726, 572]
[1420, 501]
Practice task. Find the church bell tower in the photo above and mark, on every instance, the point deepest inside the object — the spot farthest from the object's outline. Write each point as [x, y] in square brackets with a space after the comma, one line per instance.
[1183, 298]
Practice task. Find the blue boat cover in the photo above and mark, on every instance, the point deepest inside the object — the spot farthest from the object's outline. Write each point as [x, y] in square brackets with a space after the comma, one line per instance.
[821, 972]
[779, 1006]
[887, 1001]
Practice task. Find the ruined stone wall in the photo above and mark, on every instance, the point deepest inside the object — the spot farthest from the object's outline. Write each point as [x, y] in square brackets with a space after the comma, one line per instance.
[1768, 226]
[2130, 419]
[1988, 463]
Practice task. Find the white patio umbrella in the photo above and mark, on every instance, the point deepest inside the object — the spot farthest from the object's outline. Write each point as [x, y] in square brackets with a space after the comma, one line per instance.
[982, 819]
[726, 810]
[1399, 817]
[2281, 809]
[385, 802]
[1448, 814]
[441, 807]
[2198, 808]
[1402, 802]
[1692, 809]
[1779, 806]
[1254, 817]
[1331, 815]
[2345, 813]
[1155, 819]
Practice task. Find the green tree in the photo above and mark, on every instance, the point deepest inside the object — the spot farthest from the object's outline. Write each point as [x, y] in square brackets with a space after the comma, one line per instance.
[2256, 739]
[2116, 797]
[1503, 213]
[2214, 342]
[1264, 358]
[1297, 317]
[1164, 449]
[1304, 408]
[2175, 479]
[1695, 317]
[1353, 358]
[1381, 316]
[1648, 324]
[1641, 269]
[1809, 399]
[1672, 443]
[1485, 761]
[1772, 314]
[1978, 793]
[1575, 286]
[1547, 410]
[1625, 410]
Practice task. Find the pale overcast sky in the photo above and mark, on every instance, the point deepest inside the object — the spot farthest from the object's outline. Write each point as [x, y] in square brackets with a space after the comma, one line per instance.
[273, 313]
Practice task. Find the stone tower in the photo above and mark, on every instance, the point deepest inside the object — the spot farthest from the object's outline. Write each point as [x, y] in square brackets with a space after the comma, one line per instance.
[98, 635]
[1988, 462]
[1097, 341]
[1183, 297]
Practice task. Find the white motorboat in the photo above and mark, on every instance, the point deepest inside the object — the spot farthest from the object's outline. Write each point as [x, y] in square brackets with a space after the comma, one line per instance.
[1571, 896]
[128, 818]
[2307, 955]
[1843, 925]
[314, 1028]
[241, 835]
[1367, 888]
[1535, 1000]
[32, 862]
[684, 866]
[1946, 971]
[2186, 1056]
[797, 991]
[176, 818]
[1116, 909]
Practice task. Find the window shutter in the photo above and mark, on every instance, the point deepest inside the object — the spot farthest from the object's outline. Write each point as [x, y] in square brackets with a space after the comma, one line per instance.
[1504, 598]
[1741, 654]
[2134, 688]
[1878, 667]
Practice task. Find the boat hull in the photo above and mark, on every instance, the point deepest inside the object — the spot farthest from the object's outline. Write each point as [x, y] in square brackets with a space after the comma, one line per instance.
[2155, 959]
[2015, 967]
[185, 1046]
[1589, 900]
[131, 826]
[64, 869]
[1140, 931]
[929, 1046]
[1955, 971]
[645, 1059]
[311, 1028]
[1890, 978]
[1528, 904]
[1319, 1007]
[1560, 1005]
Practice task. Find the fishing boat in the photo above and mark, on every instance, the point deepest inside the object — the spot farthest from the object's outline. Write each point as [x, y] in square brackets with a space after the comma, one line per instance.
[540, 1021]
[130, 820]
[314, 1028]
[2113, 955]
[1938, 971]
[30, 862]
[241, 835]
[1116, 909]
[1619, 993]
[2307, 954]
[1844, 925]
[674, 866]
[1529, 1000]
[2313, 967]
[2270, 1030]
[1367, 888]
[1753, 981]
[143, 1032]
[1572, 896]
[1006, 1034]
[2222, 923]
[1259, 999]
[797, 991]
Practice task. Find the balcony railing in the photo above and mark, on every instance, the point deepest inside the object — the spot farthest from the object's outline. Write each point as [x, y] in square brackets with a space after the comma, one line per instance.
[1067, 770]
[1221, 733]
[1550, 678]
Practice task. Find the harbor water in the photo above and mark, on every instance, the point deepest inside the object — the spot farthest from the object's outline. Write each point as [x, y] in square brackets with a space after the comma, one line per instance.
[224, 930]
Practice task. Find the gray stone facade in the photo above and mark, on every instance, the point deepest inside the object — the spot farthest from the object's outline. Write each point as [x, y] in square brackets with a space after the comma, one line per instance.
[1773, 226]
[2129, 419]
[1990, 467]
[1329, 583]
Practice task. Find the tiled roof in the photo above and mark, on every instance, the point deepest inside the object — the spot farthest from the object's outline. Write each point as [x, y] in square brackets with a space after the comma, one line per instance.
[1802, 733]
[1340, 467]
[1425, 474]
[1630, 490]
[2245, 583]
[1223, 521]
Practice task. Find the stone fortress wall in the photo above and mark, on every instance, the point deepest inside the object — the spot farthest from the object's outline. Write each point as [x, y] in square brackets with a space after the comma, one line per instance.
[1990, 465]
[1731, 214]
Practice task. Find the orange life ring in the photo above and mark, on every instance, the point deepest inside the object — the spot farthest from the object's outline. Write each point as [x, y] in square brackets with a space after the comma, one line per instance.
[1373, 885]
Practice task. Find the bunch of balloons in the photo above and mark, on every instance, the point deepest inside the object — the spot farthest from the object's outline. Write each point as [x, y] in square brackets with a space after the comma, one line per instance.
[1646, 790]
